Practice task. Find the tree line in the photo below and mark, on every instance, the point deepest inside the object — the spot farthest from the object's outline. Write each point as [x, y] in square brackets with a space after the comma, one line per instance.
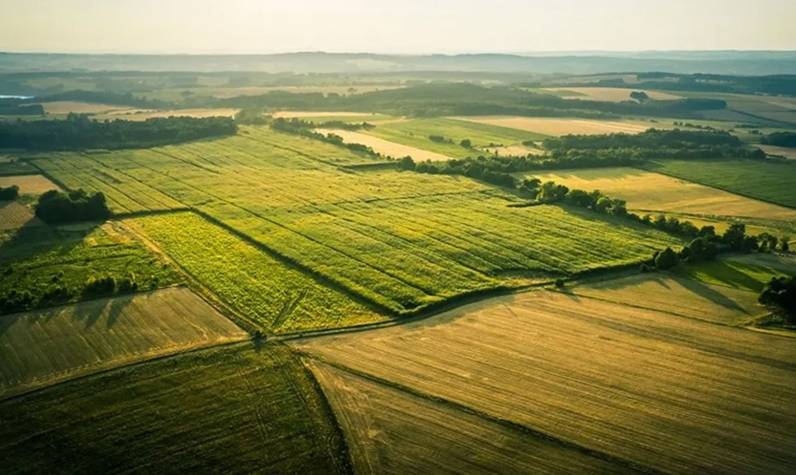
[307, 129]
[780, 139]
[80, 132]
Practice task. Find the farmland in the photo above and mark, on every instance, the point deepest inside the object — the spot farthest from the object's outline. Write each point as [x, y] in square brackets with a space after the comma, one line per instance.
[652, 192]
[391, 431]
[238, 410]
[261, 289]
[151, 114]
[609, 94]
[642, 388]
[556, 126]
[29, 184]
[14, 215]
[377, 235]
[54, 264]
[767, 181]
[417, 132]
[47, 346]
[385, 147]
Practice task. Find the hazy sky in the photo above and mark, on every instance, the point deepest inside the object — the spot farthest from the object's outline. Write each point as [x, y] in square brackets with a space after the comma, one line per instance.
[393, 26]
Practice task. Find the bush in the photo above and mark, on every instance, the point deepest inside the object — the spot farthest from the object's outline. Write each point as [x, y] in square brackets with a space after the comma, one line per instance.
[781, 294]
[99, 286]
[666, 259]
[60, 207]
[9, 193]
[560, 283]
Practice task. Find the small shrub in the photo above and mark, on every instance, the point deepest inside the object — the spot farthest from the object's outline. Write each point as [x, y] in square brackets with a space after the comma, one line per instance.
[98, 286]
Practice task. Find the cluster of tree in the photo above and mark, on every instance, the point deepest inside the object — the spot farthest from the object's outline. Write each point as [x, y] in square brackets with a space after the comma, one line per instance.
[640, 96]
[306, 129]
[780, 139]
[58, 292]
[780, 293]
[107, 97]
[339, 124]
[80, 132]
[65, 207]
[19, 107]
[774, 84]
[251, 116]
[9, 193]
[706, 244]
[440, 139]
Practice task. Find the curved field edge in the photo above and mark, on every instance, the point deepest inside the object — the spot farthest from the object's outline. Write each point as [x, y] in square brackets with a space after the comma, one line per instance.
[45, 347]
[239, 409]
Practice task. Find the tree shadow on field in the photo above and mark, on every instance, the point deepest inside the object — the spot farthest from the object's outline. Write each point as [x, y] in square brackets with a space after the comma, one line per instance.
[707, 292]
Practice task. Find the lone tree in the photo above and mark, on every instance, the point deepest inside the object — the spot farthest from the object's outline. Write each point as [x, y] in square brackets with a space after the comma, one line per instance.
[60, 207]
[780, 293]
[666, 259]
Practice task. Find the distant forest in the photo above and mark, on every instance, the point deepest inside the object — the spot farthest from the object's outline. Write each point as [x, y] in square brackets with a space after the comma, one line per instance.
[79, 132]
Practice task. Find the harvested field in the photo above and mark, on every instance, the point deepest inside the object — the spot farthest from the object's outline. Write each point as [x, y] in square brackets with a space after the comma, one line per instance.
[385, 147]
[147, 114]
[608, 94]
[29, 184]
[44, 347]
[15, 215]
[65, 107]
[231, 410]
[393, 431]
[653, 192]
[558, 126]
[789, 153]
[647, 388]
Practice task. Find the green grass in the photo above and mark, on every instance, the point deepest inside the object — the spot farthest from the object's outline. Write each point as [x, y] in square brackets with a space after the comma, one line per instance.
[400, 240]
[765, 180]
[40, 259]
[47, 346]
[260, 288]
[751, 272]
[416, 132]
[235, 410]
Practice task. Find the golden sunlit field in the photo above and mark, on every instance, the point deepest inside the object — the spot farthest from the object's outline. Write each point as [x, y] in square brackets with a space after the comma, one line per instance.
[29, 184]
[556, 126]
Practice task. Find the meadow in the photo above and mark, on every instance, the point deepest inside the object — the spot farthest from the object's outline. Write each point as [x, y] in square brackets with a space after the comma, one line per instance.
[237, 410]
[44, 347]
[768, 181]
[643, 389]
[401, 241]
[54, 264]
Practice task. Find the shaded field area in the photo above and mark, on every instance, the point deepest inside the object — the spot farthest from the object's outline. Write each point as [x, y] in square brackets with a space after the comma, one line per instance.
[561, 126]
[399, 240]
[723, 291]
[44, 347]
[261, 289]
[765, 180]
[644, 388]
[391, 431]
[449, 133]
[42, 266]
[238, 410]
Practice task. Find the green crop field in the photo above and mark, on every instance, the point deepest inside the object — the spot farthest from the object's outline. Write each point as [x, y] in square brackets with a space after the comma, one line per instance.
[260, 288]
[400, 240]
[41, 260]
[47, 346]
[769, 181]
[416, 132]
[237, 410]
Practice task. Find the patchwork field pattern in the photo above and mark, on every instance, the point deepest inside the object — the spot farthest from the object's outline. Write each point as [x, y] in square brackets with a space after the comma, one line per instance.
[44, 347]
[642, 388]
[401, 241]
[238, 410]
[765, 180]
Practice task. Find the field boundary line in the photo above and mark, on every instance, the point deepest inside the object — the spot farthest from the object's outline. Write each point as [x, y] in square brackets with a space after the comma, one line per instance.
[506, 423]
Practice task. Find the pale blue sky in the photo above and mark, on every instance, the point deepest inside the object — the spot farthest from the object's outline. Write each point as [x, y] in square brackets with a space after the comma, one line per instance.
[399, 26]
